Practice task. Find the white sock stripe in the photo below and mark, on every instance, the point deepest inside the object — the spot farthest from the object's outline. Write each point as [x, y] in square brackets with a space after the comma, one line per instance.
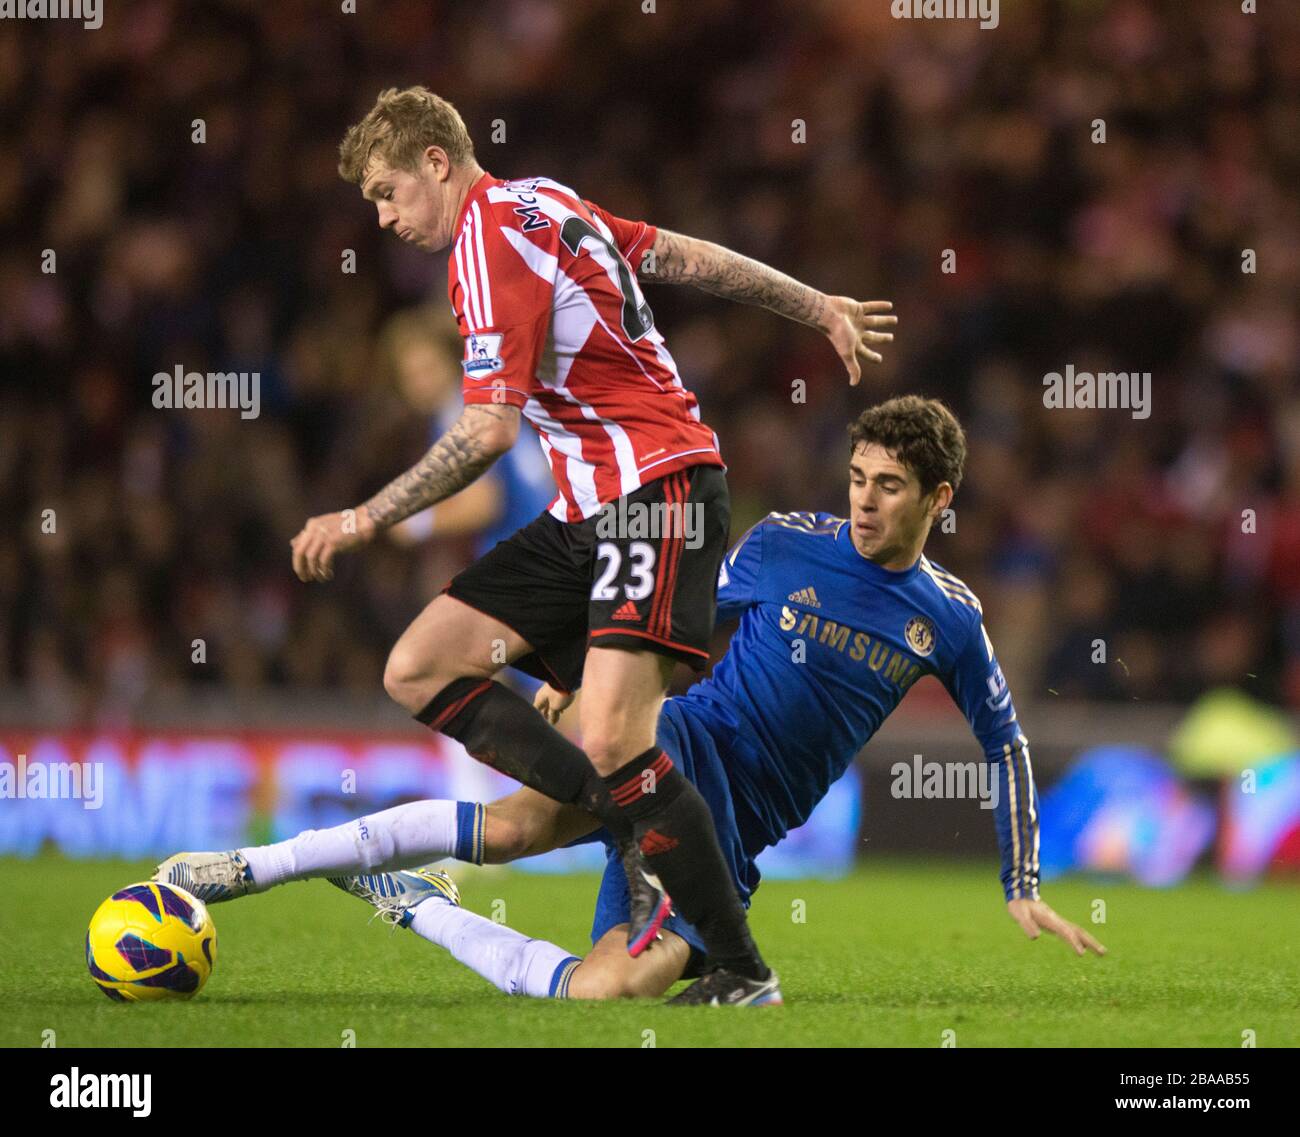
[562, 988]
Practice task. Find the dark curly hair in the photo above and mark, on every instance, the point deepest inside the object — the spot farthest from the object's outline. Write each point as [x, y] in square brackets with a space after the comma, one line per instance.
[922, 434]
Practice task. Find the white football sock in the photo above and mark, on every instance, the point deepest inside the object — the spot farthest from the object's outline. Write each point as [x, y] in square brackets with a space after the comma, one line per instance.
[405, 836]
[505, 958]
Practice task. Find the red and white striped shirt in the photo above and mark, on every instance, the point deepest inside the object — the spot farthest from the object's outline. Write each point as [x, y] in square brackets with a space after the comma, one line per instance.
[546, 296]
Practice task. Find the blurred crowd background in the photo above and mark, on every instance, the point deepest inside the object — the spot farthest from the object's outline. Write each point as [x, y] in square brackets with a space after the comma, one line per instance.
[921, 136]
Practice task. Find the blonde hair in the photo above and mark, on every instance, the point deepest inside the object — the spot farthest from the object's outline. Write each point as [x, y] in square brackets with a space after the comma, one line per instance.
[399, 128]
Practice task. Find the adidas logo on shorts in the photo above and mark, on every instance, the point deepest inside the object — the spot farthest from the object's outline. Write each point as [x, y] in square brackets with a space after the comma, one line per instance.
[626, 611]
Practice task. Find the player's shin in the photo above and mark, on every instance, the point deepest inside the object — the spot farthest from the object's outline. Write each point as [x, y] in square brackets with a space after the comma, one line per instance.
[503, 730]
[401, 837]
[507, 959]
[675, 832]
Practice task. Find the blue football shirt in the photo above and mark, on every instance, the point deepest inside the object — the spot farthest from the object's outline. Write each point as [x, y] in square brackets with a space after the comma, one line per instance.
[828, 643]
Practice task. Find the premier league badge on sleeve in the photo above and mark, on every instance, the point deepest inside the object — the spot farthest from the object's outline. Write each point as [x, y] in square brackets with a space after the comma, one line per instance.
[483, 354]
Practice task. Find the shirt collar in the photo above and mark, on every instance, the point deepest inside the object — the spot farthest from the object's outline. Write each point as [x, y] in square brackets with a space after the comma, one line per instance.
[484, 182]
[869, 567]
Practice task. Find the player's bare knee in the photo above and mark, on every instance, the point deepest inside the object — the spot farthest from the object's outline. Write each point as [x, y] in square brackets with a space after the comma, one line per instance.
[609, 745]
[601, 757]
[613, 733]
[410, 679]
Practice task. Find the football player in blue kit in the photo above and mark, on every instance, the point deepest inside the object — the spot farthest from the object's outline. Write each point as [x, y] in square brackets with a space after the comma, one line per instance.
[838, 618]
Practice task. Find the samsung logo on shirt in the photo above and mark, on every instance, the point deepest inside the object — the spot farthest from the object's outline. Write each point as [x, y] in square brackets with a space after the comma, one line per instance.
[896, 666]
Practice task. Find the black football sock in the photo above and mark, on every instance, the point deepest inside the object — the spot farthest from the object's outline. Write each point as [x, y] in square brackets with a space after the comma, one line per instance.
[675, 832]
[506, 732]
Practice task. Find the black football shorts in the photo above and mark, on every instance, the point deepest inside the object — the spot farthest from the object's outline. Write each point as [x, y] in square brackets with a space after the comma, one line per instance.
[641, 574]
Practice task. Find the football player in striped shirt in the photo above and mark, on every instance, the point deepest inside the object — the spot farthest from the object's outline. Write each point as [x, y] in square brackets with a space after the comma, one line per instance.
[838, 618]
[544, 286]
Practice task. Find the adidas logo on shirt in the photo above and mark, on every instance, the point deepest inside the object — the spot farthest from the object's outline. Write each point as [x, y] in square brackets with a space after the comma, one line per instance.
[806, 597]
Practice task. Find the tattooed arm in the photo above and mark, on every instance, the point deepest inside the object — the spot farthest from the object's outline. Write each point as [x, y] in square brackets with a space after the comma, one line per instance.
[478, 438]
[686, 260]
[849, 324]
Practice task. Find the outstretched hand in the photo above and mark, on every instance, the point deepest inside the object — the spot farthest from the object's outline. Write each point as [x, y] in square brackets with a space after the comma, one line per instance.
[1036, 917]
[851, 326]
[324, 537]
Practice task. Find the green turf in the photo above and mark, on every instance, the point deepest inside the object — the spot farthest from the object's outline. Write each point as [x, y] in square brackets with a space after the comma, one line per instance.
[893, 956]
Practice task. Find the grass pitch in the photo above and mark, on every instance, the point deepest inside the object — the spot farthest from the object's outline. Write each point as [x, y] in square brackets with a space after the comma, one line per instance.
[894, 955]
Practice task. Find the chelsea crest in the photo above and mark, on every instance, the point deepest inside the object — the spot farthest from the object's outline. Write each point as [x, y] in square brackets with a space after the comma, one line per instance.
[919, 634]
